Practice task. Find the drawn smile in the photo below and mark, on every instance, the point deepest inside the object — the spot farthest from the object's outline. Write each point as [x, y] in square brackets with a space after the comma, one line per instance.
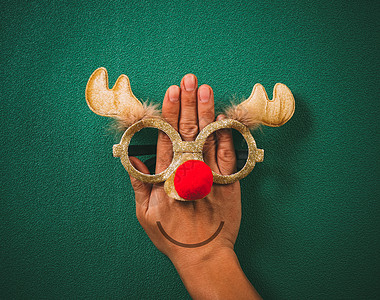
[195, 245]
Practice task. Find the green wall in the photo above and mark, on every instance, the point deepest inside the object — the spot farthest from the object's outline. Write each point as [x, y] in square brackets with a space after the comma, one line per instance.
[310, 210]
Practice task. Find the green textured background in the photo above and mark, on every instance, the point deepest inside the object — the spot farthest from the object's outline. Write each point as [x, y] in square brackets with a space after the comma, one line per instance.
[310, 210]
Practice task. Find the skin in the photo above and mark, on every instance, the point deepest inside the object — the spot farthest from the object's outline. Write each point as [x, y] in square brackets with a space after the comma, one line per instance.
[211, 271]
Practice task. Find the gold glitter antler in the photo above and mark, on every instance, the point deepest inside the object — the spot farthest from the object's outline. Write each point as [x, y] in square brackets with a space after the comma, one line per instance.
[118, 102]
[258, 109]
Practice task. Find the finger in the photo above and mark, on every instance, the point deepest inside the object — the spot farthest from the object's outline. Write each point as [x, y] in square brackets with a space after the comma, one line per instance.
[225, 152]
[170, 112]
[142, 189]
[206, 115]
[188, 121]
[171, 106]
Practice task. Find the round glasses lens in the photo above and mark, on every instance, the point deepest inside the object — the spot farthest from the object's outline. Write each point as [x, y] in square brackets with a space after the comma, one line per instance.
[225, 151]
[153, 147]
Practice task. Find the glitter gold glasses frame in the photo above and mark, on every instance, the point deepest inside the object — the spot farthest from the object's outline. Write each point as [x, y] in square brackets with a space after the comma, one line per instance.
[186, 150]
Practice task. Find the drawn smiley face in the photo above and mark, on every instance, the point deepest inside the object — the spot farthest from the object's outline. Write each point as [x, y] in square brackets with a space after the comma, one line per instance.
[188, 177]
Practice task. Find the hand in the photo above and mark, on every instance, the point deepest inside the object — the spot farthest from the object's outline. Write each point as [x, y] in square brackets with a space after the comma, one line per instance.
[211, 271]
[189, 110]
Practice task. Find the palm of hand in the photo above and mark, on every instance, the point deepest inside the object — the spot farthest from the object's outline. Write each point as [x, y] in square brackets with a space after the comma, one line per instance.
[190, 222]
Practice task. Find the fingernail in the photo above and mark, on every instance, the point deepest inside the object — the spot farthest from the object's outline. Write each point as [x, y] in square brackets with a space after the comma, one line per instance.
[189, 82]
[204, 94]
[173, 94]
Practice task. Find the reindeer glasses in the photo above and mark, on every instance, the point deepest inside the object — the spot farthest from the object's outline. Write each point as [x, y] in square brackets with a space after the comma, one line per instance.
[120, 103]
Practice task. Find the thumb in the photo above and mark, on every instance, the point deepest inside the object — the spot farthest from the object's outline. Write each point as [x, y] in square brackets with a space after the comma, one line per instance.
[225, 153]
[142, 189]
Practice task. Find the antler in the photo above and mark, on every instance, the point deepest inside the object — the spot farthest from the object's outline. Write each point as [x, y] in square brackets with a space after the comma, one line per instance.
[118, 102]
[258, 109]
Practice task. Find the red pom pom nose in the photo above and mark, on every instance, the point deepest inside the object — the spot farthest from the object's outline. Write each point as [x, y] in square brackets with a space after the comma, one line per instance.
[193, 180]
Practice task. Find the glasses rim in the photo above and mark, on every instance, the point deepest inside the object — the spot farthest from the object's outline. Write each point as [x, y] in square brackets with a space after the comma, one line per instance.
[121, 149]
